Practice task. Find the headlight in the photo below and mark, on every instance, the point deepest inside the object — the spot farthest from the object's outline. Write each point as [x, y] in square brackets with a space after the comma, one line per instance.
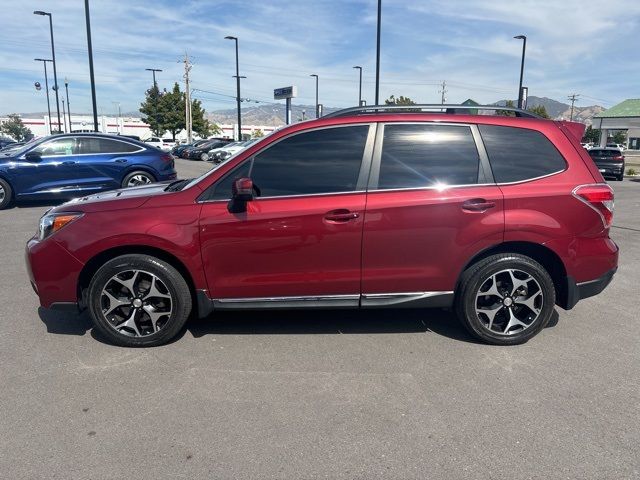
[50, 223]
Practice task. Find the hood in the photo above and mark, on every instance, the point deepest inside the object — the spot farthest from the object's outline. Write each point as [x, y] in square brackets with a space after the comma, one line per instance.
[124, 198]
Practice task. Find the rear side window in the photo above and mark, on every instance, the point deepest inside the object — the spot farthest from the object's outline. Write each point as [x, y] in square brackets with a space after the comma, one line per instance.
[94, 145]
[314, 162]
[423, 155]
[518, 154]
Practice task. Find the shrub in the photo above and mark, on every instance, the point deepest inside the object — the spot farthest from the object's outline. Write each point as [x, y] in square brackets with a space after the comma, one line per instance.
[631, 171]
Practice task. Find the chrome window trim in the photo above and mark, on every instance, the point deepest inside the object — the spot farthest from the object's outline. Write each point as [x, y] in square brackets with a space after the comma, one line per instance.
[140, 149]
[441, 188]
[365, 163]
[532, 179]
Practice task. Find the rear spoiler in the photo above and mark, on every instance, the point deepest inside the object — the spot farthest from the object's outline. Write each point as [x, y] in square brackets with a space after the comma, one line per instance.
[576, 129]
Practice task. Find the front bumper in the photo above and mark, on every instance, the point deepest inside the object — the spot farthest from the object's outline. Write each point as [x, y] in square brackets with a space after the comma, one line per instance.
[582, 290]
[53, 272]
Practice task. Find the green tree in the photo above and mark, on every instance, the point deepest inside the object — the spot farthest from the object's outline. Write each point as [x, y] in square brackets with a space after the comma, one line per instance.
[200, 124]
[591, 135]
[151, 111]
[392, 100]
[172, 110]
[15, 128]
[257, 133]
[539, 110]
[620, 137]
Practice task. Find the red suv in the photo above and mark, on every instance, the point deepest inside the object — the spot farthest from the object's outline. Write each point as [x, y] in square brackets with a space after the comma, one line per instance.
[498, 217]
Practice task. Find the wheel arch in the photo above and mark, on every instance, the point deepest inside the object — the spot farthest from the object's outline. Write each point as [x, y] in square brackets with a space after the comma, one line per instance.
[546, 257]
[140, 167]
[92, 266]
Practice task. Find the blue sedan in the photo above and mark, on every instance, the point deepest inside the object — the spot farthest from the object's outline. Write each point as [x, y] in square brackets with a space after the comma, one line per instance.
[69, 165]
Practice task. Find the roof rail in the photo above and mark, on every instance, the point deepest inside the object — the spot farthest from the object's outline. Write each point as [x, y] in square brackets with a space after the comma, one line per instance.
[434, 108]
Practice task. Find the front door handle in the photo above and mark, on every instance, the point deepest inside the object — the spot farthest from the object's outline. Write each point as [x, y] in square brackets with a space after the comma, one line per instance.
[341, 215]
[69, 163]
[477, 205]
[121, 160]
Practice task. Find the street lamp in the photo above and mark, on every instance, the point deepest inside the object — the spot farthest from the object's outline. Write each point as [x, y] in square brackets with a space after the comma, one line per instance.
[155, 88]
[66, 88]
[237, 77]
[46, 84]
[91, 76]
[53, 56]
[317, 111]
[524, 48]
[360, 85]
[378, 53]
[119, 117]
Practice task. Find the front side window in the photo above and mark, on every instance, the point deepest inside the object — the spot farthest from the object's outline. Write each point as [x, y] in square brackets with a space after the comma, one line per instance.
[58, 147]
[518, 154]
[426, 155]
[315, 162]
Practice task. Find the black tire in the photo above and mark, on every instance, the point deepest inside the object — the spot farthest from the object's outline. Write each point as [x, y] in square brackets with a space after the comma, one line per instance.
[171, 283]
[479, 276]
[620, 177]
[146, 178]
[6, 194]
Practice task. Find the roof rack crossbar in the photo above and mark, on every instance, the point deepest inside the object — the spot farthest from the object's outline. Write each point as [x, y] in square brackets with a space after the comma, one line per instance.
[425, 108]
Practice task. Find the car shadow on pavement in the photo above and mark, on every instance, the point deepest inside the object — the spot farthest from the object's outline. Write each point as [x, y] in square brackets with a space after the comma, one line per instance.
[65, 322]
[35, 203]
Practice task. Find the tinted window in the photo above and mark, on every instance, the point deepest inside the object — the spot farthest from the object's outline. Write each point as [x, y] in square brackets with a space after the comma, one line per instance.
[61, 146]
[104, 145]
[518, 154]
[320, 161]
[604, 153]
[424, 155]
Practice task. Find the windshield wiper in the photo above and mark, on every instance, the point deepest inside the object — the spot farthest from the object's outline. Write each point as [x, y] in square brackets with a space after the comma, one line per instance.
[177, 185]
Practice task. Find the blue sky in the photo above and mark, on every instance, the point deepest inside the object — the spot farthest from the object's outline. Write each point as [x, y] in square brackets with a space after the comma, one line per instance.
[573, 46]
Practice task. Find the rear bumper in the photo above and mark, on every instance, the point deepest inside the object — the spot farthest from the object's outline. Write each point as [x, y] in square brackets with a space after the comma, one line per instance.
[579, 291]
[613, 169]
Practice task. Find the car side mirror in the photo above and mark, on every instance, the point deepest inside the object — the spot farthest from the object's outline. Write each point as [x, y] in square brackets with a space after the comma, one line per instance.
[33, 156]
[242, 191]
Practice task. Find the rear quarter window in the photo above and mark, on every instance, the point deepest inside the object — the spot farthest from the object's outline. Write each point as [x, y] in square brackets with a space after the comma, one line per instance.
[519, 154]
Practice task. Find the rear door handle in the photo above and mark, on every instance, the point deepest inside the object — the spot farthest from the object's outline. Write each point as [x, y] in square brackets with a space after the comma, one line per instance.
[69, 163]
[341, 215]
[477, 205]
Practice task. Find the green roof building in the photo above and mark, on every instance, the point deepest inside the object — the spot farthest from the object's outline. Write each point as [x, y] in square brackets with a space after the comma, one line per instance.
[623, 116]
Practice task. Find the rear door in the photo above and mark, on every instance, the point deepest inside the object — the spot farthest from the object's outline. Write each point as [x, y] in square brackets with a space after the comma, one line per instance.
[431, 205]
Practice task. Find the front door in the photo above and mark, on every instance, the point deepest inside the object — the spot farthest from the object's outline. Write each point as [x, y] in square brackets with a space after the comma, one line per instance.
[300, 238]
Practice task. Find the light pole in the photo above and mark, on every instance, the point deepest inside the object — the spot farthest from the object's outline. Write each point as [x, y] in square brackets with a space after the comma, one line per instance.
[53, 56]
[66, 88]
[46, 85]
[91, 76]
[378, 53]
[360, 85]
[317, 111]
[64, 117]
[155, 88]
[524, 48]
[237, 77]
[119, 117]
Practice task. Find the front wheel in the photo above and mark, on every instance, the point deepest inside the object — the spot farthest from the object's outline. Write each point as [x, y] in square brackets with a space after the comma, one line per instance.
[204, 157]
[137, 178]
[138, 301]
[505, 299]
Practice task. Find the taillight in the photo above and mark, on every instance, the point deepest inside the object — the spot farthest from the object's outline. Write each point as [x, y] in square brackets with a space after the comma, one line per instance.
[598, 196]
[166, 157]
[618, 158]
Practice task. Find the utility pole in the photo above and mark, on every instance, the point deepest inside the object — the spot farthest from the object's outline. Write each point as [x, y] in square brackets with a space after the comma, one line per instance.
[64, 117]
[378, 52]
[91, 75]
[119, 117]
[573, 97]
[187, 97]
[66, 87]
[443, 92]
[359, 68]
[46, 86]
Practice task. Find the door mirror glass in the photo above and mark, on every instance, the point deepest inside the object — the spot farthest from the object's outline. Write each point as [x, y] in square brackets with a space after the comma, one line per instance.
[33, 156]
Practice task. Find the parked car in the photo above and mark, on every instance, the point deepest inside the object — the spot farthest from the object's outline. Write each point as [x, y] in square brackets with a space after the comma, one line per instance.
[179, 149]
[610, 161]
[64, 166]
[164, 144]
[588, 145]
[619, 146]
[500, 218]
[6, 141]
[221, 154]
[201, 152]
[11, 146]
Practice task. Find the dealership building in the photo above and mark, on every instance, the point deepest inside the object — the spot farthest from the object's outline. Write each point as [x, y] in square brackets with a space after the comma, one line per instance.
[623, 116]
[42, 126]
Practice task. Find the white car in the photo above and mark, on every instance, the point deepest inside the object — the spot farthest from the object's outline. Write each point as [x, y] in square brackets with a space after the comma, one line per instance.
[220, 154]
[164, 144]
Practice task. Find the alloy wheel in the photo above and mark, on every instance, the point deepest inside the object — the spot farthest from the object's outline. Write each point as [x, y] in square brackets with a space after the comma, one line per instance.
[138, 179]
[2, 193]
[509, 302]
[136, 303]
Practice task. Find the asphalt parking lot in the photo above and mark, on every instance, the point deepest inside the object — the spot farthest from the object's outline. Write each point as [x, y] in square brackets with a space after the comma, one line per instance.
[389, 394]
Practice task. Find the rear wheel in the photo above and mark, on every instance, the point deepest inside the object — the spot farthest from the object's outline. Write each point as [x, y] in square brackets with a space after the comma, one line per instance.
[204, 157]
[505, 299]
[138, 301]
[137, 178]
[620, 177]
[5, 194]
